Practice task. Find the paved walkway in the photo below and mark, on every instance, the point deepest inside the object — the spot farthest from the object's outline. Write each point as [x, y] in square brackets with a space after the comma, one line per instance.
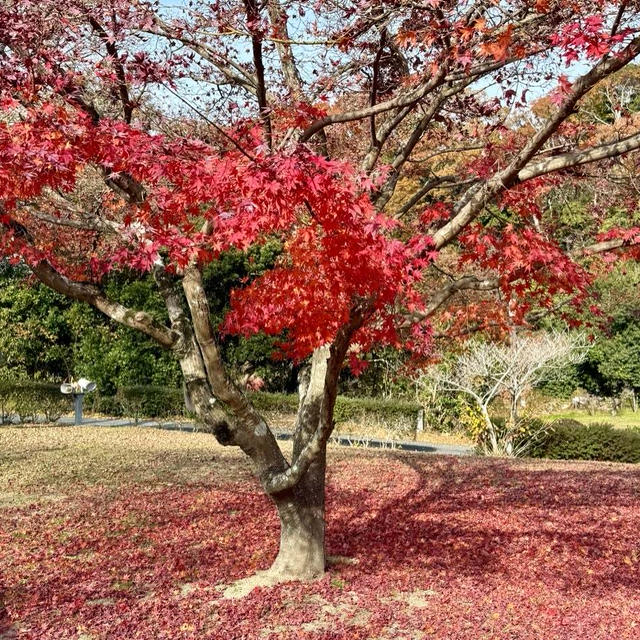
[344, 440]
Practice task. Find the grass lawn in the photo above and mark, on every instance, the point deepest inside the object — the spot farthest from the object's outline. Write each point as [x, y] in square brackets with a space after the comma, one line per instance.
[131, 533]
[626, 418]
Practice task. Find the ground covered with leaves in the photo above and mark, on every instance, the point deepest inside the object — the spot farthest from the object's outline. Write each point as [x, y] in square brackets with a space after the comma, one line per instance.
[133, 533]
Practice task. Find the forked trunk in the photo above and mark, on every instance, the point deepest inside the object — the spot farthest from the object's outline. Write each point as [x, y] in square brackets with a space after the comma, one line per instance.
[302, 527]
[301, 555]
[301, 509]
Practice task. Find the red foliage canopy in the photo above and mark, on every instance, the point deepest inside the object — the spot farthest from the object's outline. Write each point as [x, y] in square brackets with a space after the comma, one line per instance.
[81, 100]
[75, 112]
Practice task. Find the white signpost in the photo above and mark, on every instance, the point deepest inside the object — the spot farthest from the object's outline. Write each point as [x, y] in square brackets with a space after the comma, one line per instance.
[77, 389]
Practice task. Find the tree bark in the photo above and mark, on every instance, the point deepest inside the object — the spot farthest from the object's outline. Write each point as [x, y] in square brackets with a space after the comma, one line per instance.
[302, 508]
[513, 409]
[297, 488]
[302, 526]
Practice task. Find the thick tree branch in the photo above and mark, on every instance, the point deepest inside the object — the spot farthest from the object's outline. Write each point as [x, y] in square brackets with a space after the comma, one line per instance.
[373, 94]
[91, 294]
[279, 19]
[383, 132]
[618, 19]
[608, 245]
[402, 100]
[477, 197]
[249, 431]
[437, 299]
[139, 320]
[318, 403]
[197, 388]
[578, 157]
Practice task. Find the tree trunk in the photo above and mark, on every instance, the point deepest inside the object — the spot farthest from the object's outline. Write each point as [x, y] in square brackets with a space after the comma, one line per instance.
[491, 431]
[302, 554]
[301, 509]
[513, 409]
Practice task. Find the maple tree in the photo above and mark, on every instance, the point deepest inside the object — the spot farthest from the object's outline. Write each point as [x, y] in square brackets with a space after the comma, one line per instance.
[137, 136]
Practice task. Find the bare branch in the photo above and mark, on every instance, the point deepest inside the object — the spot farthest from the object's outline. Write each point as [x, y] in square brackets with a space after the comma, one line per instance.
[227, 66]
[253, 20]
[437, 299]
[444, 182]
[127, 105]
[402, 100]
[580, 156]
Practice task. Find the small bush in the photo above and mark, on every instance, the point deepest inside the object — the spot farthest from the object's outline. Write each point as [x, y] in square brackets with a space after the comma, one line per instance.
[503, 439]
[571, 440]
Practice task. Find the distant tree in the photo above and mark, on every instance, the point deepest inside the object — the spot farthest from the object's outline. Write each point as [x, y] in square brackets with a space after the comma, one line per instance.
[614, 98]
[617, 357]
[487, 370]
[44, 335]
[35, 340]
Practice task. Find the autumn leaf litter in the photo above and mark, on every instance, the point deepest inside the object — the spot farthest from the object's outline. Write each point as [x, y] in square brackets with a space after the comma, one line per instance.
[134, 533]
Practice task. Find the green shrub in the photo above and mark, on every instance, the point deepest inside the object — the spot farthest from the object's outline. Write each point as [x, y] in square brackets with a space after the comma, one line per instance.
[281, 402]
[103, 404]
[571, 440]
[443, 412]
[400, 417]
[150, 401]
[32, 401]
[519, 440]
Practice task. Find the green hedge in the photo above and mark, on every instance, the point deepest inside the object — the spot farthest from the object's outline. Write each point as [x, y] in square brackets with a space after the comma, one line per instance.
[280, 402]
[32, 401]
[346, 410]
[29, 399]
[145, 401]
[150, 402]
[571, 440]
[102, 404]
[397, 416]
[361, 409]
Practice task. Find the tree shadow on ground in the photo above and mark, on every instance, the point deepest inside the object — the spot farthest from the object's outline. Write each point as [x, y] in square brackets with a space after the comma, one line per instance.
[7, 629]
[492, 519]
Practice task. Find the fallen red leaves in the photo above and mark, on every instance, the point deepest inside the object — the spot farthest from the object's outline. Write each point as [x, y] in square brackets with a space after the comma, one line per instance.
[443, 548]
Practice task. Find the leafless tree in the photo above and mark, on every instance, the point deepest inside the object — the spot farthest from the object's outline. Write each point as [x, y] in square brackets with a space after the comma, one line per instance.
[487, 369]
